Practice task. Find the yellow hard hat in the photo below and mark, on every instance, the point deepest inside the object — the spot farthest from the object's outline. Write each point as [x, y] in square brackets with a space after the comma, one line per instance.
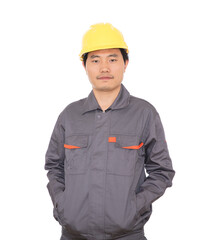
[102, 36]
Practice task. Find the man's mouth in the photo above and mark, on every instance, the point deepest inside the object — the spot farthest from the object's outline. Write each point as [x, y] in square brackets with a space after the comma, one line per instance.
[107, 77]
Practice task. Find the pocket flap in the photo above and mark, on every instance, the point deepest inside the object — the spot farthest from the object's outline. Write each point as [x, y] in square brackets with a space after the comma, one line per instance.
[76, 141]
[128, 142]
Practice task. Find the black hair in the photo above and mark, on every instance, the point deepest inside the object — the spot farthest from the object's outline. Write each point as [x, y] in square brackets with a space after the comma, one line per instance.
[123, 52]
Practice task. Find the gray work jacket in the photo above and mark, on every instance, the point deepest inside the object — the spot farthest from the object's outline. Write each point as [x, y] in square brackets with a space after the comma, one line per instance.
[96, 165]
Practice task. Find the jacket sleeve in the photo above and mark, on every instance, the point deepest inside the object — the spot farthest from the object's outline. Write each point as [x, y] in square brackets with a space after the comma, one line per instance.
[55, 161]
[158, 164]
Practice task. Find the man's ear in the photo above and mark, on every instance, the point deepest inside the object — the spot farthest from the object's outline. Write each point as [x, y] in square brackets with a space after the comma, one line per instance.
[83, 65]
[126, 64]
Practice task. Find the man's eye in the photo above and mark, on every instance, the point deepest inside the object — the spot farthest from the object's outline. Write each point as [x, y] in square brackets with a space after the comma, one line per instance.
[113, 60]
[95, 61]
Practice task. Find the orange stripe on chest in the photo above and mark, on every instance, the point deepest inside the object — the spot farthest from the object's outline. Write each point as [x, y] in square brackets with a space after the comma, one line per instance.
[135, 147]
[70, 146]
[112, 139]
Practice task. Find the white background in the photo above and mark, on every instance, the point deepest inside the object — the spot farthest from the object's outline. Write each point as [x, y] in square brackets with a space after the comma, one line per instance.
[170, 45]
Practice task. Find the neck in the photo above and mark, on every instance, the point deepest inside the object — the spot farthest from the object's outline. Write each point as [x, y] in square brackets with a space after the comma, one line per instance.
[106, 98]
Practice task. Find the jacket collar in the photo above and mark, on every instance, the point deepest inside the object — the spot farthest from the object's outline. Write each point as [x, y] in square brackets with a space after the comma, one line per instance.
[121, 101]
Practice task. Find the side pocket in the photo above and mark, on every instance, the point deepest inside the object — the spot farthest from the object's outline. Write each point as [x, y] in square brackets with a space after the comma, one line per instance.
[143, 210]
[58, 208]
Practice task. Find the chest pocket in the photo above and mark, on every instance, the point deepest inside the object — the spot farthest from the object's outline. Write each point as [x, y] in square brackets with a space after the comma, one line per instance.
[123, 154]
[76, 154]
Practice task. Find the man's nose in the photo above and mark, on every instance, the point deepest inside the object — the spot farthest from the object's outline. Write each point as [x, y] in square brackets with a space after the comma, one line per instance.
[104, 67]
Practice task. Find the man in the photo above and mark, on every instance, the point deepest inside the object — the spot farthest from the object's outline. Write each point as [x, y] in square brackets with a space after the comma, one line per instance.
[101, 147]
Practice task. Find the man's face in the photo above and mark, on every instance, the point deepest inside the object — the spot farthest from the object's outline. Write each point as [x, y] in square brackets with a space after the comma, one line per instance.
[105, 69]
